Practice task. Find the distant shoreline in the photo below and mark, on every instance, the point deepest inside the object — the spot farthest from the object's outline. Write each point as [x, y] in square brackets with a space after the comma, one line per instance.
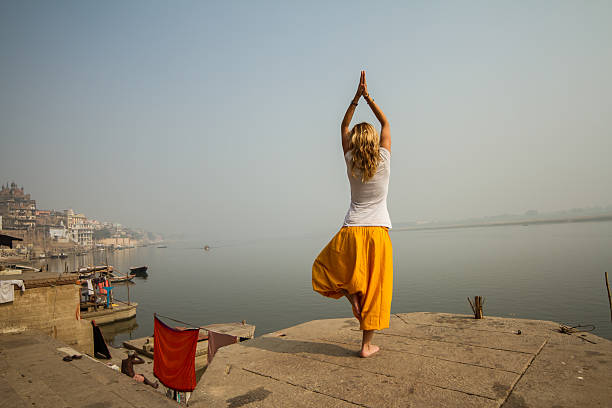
[526, 222]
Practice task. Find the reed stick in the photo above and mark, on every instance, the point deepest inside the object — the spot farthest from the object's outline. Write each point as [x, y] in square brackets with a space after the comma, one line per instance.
[609, 297]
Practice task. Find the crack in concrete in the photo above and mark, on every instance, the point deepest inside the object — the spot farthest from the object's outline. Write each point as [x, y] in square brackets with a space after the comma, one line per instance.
[303, 387]
[454, 327]
[395, 378]
[439, 358]
[460, 343]
[523, 373]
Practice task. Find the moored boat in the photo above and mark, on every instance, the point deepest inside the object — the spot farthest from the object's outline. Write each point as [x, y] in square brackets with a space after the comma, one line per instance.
[119, 279]
[111, 315]
[139, 270]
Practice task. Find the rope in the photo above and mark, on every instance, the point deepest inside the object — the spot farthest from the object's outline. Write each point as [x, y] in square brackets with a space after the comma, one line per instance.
[193, 326]
[190, 325]
[575, 329]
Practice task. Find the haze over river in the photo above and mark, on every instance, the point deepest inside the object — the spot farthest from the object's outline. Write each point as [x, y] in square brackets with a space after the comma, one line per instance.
[549, 272]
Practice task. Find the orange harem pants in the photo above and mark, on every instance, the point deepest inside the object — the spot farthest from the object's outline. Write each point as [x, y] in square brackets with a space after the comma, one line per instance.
[359, 260]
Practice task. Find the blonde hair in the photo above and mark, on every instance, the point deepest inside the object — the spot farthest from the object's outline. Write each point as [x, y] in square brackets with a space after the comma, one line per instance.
[364, 146]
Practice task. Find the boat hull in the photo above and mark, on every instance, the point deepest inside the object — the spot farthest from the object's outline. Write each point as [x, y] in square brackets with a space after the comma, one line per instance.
[116, 314]
[139, 270]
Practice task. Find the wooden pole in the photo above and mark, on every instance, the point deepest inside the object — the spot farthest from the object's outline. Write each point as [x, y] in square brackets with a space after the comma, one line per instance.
[477, 306]
[609, 297]
[128, 285]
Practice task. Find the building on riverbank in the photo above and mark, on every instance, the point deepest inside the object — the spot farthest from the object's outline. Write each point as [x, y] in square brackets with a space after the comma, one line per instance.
[17, 209]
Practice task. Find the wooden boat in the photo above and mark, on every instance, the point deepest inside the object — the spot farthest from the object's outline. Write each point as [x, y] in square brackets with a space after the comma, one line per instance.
[162, 246]
[139, 270]
[89, 272]
[96, 268]
[243, 331]
[106, 316]
[119, 279]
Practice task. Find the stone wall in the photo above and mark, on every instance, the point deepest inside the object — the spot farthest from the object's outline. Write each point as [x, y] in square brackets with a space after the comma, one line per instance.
[51, 310]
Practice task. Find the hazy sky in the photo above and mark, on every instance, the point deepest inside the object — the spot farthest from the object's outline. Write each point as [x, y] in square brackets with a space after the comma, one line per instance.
[221, 119]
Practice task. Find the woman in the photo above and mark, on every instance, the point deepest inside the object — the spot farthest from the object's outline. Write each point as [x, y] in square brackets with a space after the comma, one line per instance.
[358, 261]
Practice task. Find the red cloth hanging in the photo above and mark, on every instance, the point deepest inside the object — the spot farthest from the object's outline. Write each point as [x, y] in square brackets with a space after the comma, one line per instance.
[174, 356]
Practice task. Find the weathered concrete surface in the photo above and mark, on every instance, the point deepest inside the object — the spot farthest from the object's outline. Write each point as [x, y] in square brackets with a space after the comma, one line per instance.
[426, 360]
[49, 304]
[33, 374]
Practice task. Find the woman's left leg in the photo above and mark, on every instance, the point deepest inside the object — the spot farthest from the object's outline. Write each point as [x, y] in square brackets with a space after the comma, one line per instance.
[367, 348]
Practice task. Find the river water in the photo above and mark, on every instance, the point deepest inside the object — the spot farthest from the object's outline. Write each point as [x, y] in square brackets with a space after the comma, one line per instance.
[549, 272]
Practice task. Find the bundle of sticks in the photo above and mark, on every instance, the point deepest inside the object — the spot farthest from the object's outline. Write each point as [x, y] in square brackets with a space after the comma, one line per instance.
[477, 306]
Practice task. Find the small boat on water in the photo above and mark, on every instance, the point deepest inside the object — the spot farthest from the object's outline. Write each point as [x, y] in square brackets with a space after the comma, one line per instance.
[96, 268]
[120, 279]
[162, 246]
[139, 270]
[103, 315]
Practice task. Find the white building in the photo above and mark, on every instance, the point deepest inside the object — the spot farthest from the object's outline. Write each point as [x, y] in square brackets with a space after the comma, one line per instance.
[59, 233]
[80, 230]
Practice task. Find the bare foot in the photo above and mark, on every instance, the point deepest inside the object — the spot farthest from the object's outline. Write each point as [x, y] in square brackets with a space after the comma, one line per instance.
[368, 351]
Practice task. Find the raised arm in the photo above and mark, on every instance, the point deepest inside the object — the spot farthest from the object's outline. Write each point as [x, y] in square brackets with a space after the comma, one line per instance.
[346, 122]
[385, 131]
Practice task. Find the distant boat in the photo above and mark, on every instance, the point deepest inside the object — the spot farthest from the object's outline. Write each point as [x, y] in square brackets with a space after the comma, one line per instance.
[139, 270]
[162, 246]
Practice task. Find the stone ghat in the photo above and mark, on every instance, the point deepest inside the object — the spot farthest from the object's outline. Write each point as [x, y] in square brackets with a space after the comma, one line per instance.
[426, 360]
[33, 374]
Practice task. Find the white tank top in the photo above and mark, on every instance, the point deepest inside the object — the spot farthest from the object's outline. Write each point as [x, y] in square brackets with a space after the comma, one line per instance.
[369, 200]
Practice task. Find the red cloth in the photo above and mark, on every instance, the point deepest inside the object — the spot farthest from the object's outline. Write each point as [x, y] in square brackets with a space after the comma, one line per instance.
[101, 286]
[218, 340]
[174, 356]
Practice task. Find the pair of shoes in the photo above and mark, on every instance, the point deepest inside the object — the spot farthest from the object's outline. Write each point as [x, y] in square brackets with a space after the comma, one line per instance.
[73, 357]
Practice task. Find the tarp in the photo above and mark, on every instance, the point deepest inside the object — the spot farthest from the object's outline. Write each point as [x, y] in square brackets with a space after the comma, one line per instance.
[218, 340]
[174, 356]
[100, 347]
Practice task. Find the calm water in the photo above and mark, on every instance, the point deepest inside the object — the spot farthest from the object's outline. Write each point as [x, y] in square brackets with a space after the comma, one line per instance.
[551, 272]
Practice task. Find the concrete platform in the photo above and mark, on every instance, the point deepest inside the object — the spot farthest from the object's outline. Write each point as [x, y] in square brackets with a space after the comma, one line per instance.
[33, 374]
[426, 360]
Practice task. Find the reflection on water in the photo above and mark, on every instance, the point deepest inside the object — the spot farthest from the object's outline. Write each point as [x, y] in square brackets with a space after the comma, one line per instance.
[93, 258]
[125, 328]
